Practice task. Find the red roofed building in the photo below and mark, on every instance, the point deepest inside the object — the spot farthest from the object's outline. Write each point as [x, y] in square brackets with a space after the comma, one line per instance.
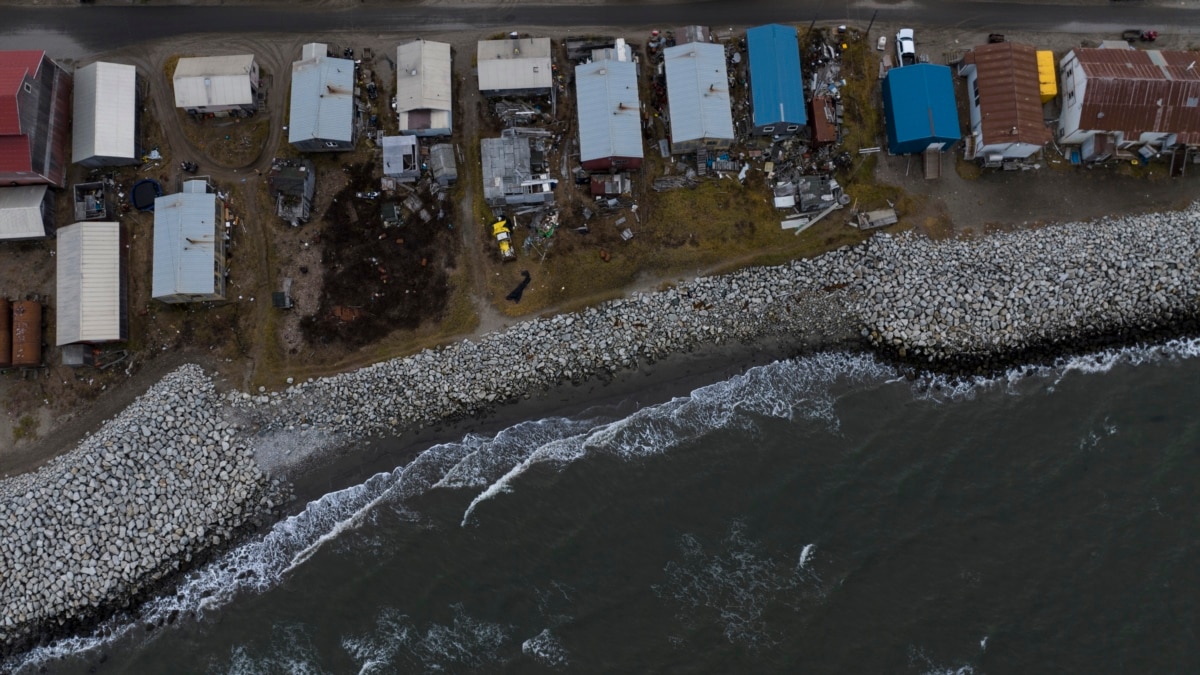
[1137, 97]
[35, 104]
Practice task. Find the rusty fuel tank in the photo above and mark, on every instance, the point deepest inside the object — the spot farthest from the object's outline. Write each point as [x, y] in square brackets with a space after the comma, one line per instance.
[26, 333]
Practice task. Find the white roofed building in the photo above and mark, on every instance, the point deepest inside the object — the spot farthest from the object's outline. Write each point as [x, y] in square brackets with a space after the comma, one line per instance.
[106, 119]
[698, 97]
[189, 246]
[322, 112]
[91, 285]
[216, 84]
[515, 67]
[423, 88]
[26, 212]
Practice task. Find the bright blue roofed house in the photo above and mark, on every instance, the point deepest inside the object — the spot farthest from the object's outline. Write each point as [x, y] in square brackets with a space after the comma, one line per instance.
[918, 106]
[776, 84]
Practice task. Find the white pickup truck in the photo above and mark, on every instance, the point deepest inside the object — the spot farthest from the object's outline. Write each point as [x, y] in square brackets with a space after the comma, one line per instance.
[906, 47]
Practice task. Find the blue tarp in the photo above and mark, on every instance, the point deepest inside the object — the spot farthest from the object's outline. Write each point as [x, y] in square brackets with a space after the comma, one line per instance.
[776, 83]
[919, 109]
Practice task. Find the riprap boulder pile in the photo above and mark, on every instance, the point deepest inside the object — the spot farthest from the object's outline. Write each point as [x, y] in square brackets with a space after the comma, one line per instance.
[1009, 297]
[156, 485]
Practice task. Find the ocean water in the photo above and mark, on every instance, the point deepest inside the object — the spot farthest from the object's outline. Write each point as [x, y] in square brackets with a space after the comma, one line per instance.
[819, 515]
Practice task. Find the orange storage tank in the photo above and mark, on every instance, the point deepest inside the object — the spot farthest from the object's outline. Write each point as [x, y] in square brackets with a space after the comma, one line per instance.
[5, 333]
[26, 333]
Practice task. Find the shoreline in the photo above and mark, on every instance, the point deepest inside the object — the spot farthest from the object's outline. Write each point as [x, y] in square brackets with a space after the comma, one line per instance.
[1046, 293]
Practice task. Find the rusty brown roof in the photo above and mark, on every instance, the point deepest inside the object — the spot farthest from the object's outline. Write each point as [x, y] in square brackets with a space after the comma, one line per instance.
[1137, 91]
[1010, 97]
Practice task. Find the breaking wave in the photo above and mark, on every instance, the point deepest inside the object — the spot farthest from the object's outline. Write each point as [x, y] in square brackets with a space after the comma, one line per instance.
[399, 644]
[800, 389]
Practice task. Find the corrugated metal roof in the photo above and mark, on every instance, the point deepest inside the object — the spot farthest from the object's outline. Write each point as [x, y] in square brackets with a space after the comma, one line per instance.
[185, 233]
[89, 283]
[919, 107]
[14, 154]
[105, 119]
[13, 67]
[776, 83]
[322, 100]
[514, 64]
[227, 77]
[1010, 103]
[423, 77]
[21, 212]
[1136, 92]
[610, 123]
[698, 92]
[395, 149]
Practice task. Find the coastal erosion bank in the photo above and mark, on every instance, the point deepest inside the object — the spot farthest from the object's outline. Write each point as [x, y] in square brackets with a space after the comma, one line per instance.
[179, 472]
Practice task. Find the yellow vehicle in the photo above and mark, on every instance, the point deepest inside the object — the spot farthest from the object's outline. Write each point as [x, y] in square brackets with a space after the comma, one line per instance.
[503, 237]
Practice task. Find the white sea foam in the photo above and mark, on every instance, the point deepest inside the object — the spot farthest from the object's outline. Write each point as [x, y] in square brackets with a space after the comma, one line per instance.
[290, 650]
[734, 586]
[397, 643]
[546, 649]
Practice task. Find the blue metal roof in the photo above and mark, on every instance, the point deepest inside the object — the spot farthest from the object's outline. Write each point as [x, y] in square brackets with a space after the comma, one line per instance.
[776, 83]
[918, 102]
[610, 121]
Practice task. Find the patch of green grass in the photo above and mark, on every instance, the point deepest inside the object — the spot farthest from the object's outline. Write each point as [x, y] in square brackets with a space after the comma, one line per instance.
[25, 429]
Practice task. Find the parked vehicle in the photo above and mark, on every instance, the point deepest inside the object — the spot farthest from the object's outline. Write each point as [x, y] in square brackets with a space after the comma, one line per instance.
[503, 237]
[882, 44]
[189, 167]
[1134, 34]
[906, 47]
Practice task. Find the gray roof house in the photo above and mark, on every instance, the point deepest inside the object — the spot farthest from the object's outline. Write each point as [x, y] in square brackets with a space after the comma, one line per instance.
[322, 112]
[91, 285]
[443, 164]
[610, 117]
[401, 158]
[515, 67]
[424, 88]
[292, 184]
[514, 171]
[698, 97]
[26, 212]
[216, 84]
[189, 246]
[105, 121]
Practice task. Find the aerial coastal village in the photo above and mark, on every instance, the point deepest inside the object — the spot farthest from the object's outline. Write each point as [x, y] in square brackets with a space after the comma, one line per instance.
[339, 237]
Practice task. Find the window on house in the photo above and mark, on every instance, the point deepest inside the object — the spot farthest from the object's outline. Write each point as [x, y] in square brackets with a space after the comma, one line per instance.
[768, 130]
[793, 127]
[975, 90]
[28, 88]
[1071, 96]
[331, 144]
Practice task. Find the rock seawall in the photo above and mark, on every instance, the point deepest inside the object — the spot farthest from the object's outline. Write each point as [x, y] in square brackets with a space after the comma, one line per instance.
[158, 484]
[170, 476]
[961, 305]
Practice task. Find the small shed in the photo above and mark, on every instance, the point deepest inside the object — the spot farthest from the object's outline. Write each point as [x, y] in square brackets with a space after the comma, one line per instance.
[105, 119]
[698, 97]
[515, 67]
[26, 212]
[292, 184]
[513, 171]
[919, 108]
[776, 83]
[443, 164]
[322, 111]
[610, 118]
[216, 84]
[91, 285]
[189, 246]
[401, 158]
[424, 88]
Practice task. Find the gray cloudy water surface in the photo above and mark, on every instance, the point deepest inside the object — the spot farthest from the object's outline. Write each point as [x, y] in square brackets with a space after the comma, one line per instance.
[816, 515]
